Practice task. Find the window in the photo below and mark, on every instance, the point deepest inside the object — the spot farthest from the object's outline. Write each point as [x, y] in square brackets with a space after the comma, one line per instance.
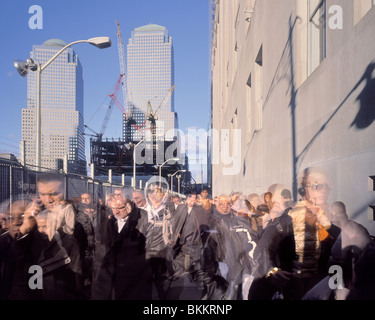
[371, 208]
[361, 7]
[249, 129]
[316, 34]
[258, 86]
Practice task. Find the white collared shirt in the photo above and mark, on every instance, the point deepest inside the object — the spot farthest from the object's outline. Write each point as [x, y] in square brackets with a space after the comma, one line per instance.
[121, 223]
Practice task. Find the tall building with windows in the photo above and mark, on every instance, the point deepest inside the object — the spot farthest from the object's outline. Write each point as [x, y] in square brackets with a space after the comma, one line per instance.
[296, 80]
[150, 76]
[61, 110]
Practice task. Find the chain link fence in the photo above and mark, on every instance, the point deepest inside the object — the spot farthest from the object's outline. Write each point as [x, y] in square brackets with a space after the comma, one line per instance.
[19, 182]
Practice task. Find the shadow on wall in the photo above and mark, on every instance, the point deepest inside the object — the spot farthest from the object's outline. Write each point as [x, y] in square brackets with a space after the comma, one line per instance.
[285, 71]
[366, 114]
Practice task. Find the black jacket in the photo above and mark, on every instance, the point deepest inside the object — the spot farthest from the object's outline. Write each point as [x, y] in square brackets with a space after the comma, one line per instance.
[124, 273]
[276, 248]
[60, 262]
[230, 243]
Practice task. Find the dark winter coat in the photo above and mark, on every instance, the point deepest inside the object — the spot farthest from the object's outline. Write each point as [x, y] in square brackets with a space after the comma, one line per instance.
[124, 273]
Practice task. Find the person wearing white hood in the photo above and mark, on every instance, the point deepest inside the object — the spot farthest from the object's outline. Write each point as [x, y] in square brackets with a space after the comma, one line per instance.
[157, 227]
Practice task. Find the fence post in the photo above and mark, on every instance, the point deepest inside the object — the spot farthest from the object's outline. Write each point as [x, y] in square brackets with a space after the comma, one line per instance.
[92, 170]
[110, 176]
[10, 187]
[66, 164]
[23, 152]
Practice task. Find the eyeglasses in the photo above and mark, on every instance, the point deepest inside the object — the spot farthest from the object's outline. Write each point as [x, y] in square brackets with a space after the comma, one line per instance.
[121, 208]
[318, 186]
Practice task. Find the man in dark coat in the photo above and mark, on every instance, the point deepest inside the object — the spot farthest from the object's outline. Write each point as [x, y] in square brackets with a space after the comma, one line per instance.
[174, 204]
[15, 258]
[124, 273]
[227, 254]
[28, 245]
[181, 253]
[274, 254]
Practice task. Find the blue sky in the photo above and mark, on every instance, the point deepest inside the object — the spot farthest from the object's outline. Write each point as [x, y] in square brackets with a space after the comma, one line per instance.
[186, 21]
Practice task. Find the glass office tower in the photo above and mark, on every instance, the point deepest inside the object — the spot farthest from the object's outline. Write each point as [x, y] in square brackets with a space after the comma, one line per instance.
[150, 68]
[61, 110]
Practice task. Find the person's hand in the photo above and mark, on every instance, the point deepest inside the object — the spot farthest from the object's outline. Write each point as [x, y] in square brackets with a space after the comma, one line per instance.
[280, 278]
[34, 208]
[28, 223]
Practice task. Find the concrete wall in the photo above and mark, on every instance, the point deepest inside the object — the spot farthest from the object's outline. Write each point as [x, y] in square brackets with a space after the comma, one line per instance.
[322, 119]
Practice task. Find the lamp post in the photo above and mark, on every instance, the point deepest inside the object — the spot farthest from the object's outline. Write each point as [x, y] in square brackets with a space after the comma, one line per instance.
[23, 69]
[178, 183]
[134, 162]
[161, 165]
[173, 176]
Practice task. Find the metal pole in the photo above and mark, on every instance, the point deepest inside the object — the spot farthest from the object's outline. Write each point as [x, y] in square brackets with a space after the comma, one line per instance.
[178, 183]
[23, 153]
[160, 175]
[65, 161]
[92, 170]
[10, 187]
[134, 183]
[110, 176]
[38, 142]
[134, 164]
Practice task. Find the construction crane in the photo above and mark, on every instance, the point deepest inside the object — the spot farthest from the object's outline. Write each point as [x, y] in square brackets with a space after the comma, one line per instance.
[151, 115]
[121, 56]
[113, 96]
[128, 116]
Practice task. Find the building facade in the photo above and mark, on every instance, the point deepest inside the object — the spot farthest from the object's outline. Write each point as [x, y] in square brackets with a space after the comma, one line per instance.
[61, 110]
[293, 86]
[150, 76]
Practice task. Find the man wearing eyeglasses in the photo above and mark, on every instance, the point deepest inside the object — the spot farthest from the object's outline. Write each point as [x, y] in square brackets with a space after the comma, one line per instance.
[308, 216]
[124, 273]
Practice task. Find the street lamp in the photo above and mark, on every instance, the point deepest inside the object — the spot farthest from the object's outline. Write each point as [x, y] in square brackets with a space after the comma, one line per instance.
[178, 183]
[160, 166]
[173, 176]
[23, 68]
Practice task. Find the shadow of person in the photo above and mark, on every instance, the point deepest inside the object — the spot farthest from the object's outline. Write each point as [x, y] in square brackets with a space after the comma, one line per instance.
[366, 114]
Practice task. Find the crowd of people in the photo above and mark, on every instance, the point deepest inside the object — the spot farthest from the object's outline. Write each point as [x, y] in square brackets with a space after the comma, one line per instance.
[151, 245]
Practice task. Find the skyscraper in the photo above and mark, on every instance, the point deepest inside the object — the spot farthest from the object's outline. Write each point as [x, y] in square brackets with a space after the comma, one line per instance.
[61, 109]
[150, 76]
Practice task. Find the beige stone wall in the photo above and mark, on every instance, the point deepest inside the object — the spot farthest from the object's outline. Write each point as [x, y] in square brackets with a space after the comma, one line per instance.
[290, 119]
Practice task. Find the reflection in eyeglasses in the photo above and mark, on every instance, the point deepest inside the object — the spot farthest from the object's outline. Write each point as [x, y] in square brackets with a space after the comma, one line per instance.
[318, 187]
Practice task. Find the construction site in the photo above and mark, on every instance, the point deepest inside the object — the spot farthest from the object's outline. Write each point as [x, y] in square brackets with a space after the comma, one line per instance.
[141, 153]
